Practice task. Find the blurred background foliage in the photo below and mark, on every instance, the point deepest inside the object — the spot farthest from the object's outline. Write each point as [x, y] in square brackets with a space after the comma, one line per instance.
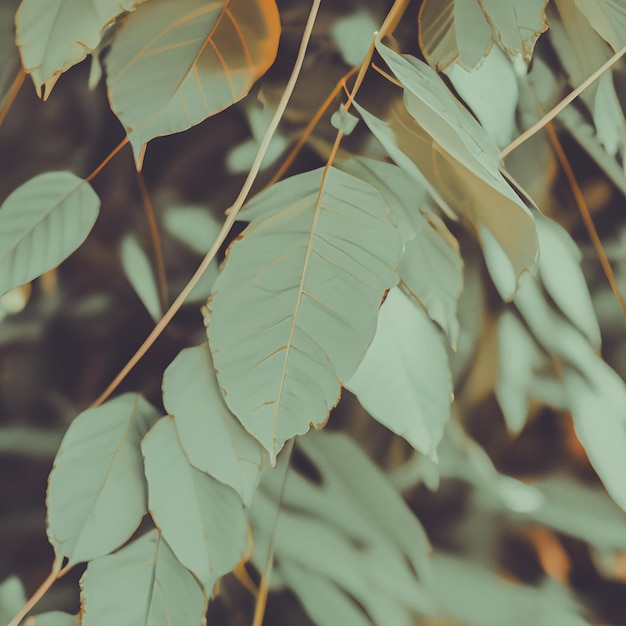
[504, 506]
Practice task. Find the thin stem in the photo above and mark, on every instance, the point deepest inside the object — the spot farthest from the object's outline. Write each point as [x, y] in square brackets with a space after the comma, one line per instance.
[156, 240]
[14, 89]
[45, 585]
[107, 159]
[231, 212]
[586, 215]
[550, 115]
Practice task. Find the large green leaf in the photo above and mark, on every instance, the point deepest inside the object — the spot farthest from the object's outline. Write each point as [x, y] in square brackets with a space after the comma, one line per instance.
[173, 64]
[143, 584]
[209, 537]
[404, 381]
[608, 18]
[430, 132]
[463, 31]
[41, 223]
[96, 493]
[55, 34]
[211, 437]
[295, 307]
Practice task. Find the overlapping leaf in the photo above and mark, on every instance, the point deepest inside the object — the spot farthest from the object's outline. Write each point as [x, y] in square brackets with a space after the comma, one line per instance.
[141, 584]
[173, 64]
[432, 134]
[295, 307]
[41, 223]
[404, 381]
[463, 31]
[608, 18]
[210, 537]
[56, 34]
[211, 437]
[96, 493]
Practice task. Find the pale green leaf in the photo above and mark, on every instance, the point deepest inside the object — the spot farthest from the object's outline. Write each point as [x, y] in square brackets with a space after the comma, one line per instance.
[295, 306]
[608, 18]
[143, 584]
[353, 33]
[56, 34]
[463, 31]
[12, 598]
[41, 223]
[54, 618]
[209, 537]
[195, 226]
[211, 437]
[140, 275]
[430, 266]
[344, 120]
[404, 380]
[96, 492]
[173, 64]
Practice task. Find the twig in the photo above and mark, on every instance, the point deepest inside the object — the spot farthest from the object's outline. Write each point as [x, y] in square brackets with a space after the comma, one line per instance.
[14, 89]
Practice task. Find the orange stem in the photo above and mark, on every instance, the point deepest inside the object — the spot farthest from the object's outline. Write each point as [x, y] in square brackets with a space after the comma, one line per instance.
[14, 89]
[106, 160]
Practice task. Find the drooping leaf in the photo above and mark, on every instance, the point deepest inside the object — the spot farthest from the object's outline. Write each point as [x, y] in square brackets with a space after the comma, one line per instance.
[141, 584]
[452, 151]
[404, 380]
[608, 18]
[96, 492]
[295, 307]
[12, 598]
[201, 519]
[41, 223]
[463, 31]
[55, 35]
[53, 618]
[213, 440]
[430, 266]
[173, 64]
[140, 275]
[362, 540]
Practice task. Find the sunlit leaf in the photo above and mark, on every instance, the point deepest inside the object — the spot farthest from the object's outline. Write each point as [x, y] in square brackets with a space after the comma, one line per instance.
[210, 537]
[213, 440]
[463, 31]
[173, 64]
[141, 584]
[96, 492]
[56, 34]
[41, 223]
[295, 306]
[608, 18]
[430, 266]
[141, 276]
[404, 380]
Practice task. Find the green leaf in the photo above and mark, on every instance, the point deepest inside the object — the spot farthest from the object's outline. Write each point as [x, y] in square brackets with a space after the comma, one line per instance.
[463, 31]
[96, 491]
[211, 437]
[608, 18]
[140, 275]
[295, 306]
[141, 584]
[209, 538]
[173, 64]
[430, 267]
[41, 223]
[53, 618]
[56, 34]
[12, 598]
[404, 381]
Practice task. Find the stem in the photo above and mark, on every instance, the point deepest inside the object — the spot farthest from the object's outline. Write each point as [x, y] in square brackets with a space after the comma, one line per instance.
[107, 159]
[550, 115]
[14, 89]
[45, 585]
[232, 212]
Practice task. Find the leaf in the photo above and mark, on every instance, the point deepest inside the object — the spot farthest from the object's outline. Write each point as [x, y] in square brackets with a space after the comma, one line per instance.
[404, 380]
[41, 223]
[141, 584]
[295, 306]
[96, 491]
[210, 537]
[173, 64]
[12, 598]
[140, 275]
[365, 552]
[430, 266]
[463, 31]
[53, 618]
[213, 440]
[56, 34]
[608, 19]
[453, 152]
